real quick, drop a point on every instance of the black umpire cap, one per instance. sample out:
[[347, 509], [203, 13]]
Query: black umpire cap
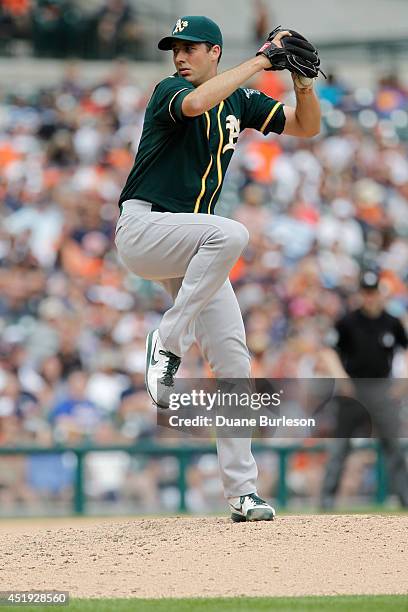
[[369, 280]]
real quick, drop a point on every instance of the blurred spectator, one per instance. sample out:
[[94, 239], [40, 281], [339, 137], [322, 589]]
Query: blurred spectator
[[14, 488], [14, 22], [332, 90], [118, 31], [75, 416], [204, 485], [49, 476], [106, 383], [390, 96], [15, 401], [261, 22]]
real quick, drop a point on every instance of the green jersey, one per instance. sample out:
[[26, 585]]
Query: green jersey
[[181, 161]]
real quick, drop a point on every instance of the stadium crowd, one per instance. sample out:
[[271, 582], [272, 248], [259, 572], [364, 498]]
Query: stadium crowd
[[73, 321], [100, 29]]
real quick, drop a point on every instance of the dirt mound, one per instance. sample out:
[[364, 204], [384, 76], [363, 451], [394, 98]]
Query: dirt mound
[[187, 557]]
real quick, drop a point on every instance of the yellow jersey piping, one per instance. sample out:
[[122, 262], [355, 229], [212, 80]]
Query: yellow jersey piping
[[219, 167], [204, 178], [269, 117]]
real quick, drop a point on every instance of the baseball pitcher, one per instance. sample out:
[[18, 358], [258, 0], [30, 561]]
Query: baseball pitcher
[[168, 230]]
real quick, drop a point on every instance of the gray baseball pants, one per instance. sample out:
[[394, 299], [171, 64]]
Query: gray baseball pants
[[191, 255]]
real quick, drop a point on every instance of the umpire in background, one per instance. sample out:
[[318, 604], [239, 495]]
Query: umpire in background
[[367, 340]]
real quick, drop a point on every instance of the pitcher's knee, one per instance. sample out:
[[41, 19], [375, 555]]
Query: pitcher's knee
[[232, 238], [238, 237]]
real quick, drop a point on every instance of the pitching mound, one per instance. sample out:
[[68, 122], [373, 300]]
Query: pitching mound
[[188, 557]]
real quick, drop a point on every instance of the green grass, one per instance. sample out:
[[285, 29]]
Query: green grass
[[360, 603]]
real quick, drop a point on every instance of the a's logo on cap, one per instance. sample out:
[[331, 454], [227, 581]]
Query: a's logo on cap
[[180, 25]]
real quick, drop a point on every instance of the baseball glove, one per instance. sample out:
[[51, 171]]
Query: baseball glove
[[297, 54]]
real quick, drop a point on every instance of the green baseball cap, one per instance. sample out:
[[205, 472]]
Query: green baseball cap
[[195, 28]]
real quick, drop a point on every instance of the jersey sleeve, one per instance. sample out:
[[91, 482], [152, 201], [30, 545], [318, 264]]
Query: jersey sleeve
[[167, 100], [261, 112]]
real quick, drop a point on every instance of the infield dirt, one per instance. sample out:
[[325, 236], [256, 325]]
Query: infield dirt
[[190, 557]]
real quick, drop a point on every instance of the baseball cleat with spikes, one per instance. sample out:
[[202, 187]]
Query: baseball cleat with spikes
[[250, 508], [161, 368]]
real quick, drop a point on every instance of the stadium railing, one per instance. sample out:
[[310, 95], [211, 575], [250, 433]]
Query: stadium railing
[[183, 454]]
